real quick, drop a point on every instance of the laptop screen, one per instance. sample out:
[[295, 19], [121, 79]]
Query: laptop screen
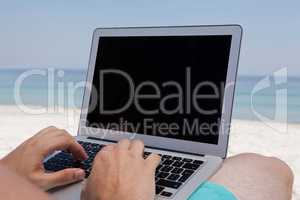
[[166, 86]]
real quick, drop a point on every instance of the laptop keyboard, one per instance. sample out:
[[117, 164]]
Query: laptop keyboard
[[172, 172]]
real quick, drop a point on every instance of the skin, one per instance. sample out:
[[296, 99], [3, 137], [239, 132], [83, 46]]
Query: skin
[[14, 187], [252, 176], [27, 159], [117, 168], [120, 172]]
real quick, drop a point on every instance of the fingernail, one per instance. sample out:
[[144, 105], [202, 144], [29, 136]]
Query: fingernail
[[79, 174]]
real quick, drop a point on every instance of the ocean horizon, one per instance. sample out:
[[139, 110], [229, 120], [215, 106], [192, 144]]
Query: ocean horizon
[[34, 91]]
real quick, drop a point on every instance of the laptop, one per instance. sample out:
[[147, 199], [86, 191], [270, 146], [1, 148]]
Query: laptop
[[172, 88]]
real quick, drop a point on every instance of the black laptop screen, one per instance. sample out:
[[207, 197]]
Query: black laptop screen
[[168, 86]]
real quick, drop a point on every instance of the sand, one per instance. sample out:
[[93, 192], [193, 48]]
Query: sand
[[246, 136]]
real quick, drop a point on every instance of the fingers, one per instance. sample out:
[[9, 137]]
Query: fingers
[[63, 177], [77, 150], [61, 140], [153, 161], [137, 147], [108, 147], [105, 150], [104, 154], [124, 144]]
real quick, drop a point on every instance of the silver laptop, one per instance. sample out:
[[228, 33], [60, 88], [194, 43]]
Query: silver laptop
[[172, 88]]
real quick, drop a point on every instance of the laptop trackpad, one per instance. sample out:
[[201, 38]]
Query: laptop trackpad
[[68, 192]]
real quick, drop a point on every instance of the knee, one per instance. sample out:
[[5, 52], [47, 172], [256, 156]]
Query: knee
[[282, 168], [272, 164]]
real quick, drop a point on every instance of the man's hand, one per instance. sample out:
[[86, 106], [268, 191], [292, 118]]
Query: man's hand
[[14, 187], [27, 159], [121, 172]]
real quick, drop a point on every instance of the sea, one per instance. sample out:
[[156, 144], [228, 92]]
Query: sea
[[256, 97]]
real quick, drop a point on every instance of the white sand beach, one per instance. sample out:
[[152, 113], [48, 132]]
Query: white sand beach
[[246, 136]]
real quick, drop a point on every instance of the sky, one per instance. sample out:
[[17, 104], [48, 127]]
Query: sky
[[56, 33]]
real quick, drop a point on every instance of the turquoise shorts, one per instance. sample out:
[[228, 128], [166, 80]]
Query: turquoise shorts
[[211, 191]]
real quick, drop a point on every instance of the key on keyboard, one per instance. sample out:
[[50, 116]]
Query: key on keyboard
[[64, 160], [172, 172]]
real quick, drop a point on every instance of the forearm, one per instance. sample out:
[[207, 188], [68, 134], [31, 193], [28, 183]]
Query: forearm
[[14, 187]]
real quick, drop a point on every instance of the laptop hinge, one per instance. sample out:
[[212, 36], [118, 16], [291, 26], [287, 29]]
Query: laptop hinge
[[156, 148]]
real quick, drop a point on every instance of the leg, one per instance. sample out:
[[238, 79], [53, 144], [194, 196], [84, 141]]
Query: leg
[[252, 176]]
